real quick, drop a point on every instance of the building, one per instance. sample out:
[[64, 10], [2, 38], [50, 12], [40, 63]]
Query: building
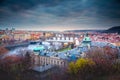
[[61, 39], [86, 41], [46, 60], [43, 57], [21, 35]]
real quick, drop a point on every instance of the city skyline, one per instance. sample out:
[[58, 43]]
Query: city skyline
[[59, 15]]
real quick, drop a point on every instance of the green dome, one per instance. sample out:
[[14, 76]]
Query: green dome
[[38, 48], [87, 39]]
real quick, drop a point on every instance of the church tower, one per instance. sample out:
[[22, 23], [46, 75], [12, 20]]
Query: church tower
[[86, 41]]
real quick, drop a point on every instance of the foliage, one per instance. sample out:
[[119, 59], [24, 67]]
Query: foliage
[[116, 66], [103, 53], [83, 67], [105, 60], [98, 62], [15, 64]]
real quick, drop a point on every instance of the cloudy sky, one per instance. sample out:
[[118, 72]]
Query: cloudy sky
[[59, 14]]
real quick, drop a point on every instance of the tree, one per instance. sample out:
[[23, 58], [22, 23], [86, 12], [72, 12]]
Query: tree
[[82, 68]]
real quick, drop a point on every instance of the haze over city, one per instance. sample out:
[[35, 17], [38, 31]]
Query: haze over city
[[60, 39], [59, 15]]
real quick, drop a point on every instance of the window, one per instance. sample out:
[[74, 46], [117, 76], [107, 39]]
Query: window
[[58, 62]]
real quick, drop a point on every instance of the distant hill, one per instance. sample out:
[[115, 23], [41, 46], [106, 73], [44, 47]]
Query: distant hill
[[115, 29], [84, 31]]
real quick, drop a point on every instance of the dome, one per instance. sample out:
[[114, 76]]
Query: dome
[[38, 48], [87, 39]]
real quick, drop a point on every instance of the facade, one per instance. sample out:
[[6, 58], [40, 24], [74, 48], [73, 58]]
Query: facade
[[61, 39], [38, 60], [41, 58], [21, 36]]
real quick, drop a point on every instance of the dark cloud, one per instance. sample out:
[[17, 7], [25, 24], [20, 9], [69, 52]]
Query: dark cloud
[[109, 8], [10, 8], [49, 12], [17, 5], [106, 8]]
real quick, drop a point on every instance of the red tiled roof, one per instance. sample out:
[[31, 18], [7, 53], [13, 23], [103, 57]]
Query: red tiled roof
[[3, 50]]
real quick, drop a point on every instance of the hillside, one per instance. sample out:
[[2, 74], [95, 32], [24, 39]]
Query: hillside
[[84, 31], [115, 29]]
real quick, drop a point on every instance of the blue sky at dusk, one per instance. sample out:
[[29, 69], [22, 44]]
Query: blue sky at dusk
[[59, 14]]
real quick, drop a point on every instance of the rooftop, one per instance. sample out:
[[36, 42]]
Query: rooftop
[[71, 54]]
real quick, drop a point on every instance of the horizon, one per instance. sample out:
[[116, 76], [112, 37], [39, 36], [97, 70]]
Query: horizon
[[51, 29]]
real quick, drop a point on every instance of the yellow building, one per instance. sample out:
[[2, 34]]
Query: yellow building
[[21, 36]]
